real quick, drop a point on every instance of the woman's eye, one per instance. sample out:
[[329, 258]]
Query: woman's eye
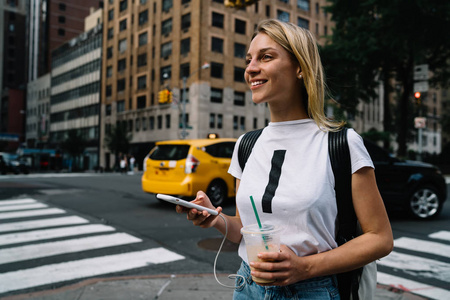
[[266, 57]]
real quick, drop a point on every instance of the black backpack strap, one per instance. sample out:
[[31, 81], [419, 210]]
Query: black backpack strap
[[339, 153], [246, 146]]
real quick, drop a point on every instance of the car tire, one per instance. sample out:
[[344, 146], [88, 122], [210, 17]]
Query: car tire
[[424, 203], [217, 192]]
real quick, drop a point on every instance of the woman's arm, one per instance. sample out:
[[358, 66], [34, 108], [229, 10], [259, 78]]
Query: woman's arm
[[375, 242], [205, 220]]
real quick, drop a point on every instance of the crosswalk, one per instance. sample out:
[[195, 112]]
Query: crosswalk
[[37, 242], [415, 262], [33, 234]]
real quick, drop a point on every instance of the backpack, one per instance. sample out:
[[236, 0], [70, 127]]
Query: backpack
[[359, 283]]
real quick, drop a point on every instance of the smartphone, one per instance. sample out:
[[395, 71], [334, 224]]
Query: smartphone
[[178, 201]]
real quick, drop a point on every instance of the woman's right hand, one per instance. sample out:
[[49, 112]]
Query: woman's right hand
[[200, 218]]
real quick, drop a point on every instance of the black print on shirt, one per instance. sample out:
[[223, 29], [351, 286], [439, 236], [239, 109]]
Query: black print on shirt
[[274, 179]]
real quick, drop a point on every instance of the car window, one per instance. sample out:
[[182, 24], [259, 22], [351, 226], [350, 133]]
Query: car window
[[376, 153], [224, 149], [170, 152]]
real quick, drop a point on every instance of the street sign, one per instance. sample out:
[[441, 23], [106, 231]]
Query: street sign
[[421, 72], [421, 86], [420, 122]]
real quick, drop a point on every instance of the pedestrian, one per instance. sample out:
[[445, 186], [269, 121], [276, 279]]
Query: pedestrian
[[285, 72], [123, 164], [132, 161]]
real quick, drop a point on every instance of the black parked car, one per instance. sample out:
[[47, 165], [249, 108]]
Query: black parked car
[[12, 163], [417, 187]]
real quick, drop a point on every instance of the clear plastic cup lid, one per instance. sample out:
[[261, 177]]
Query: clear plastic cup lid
[[265, 228]]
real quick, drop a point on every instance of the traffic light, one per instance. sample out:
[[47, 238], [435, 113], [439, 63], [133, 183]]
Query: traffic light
[[165, 96], [417, 96], [238, 3]]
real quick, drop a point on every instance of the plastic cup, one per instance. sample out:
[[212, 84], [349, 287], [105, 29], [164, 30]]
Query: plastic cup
[[257, 240]]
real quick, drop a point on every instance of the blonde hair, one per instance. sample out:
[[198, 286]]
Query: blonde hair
[[303, 46]]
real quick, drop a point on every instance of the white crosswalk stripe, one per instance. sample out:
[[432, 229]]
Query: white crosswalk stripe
[[28, 235], [419, 267]]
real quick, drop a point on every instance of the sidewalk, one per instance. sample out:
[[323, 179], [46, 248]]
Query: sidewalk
[[170, 287]]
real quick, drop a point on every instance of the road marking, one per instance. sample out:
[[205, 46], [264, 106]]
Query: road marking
[[423, 246], [46, 234], [17, 201], [26, 225], [413, 286], [417, 266], [49, 274], [22, 207], [442, 235], [32, 213], [22, 253]]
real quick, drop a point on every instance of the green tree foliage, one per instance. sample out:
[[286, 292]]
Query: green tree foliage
[[118, 139], [381, 40]]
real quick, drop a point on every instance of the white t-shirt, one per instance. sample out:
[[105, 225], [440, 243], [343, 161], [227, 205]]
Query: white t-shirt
[[300, 197]]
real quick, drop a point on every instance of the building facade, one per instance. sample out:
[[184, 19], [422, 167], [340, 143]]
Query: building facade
[[75, 94], [153, 45]]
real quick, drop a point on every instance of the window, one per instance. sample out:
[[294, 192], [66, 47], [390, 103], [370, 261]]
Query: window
[[120, 106], [212, 121], [239, 98], [108, 90], [167, 5], [121, 65], [159, 121], [142, 82], [185, 1], [62, 19], [166, 49], [121, 85], [62, 6], [138, 124], [235, 122], [239, 26], [123, 5], [239, 74], [122, 45], [109, 52], [166, 27], [268, 11], [143, 17], [61, 32], [185, 70], [108, 109], [110, 33], [151, 123], [130, 125], [143, 39], [123, 25], [216, 95], [143, 2], [317, 8], [303, 4], [216, 70], [216, 45], [282, 16], [303, 23], [325, 30], [217, 20], [185, 21], [142, 60], [219, 121], [110, 14], [166, 73], [317, 28], [109, 71], [242, 127], [185, 46], [167, 121], [239, 50], [144, 122], [141, 103]]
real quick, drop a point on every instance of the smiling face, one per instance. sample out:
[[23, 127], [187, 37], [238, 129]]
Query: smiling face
[[272, 73]]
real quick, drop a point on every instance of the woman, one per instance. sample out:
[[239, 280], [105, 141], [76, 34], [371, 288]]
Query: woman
[[284, 71]]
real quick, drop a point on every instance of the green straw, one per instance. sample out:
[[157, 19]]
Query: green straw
[[258, 220]]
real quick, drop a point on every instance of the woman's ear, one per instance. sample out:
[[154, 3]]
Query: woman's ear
[[299, 74]]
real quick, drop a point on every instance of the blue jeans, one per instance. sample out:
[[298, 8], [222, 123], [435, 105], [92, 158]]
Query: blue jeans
[[319, 288]]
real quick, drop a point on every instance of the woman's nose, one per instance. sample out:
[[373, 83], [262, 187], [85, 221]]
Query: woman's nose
[[252, 67]]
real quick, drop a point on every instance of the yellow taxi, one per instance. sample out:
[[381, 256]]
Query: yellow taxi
[[183, 167]]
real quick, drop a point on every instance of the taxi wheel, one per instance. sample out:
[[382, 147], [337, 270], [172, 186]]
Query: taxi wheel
[[217, 192]]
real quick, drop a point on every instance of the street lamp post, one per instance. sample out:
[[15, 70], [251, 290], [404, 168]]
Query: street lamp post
[[183, 114]]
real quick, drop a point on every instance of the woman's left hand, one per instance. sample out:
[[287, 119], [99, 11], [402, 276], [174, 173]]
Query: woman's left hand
[[285, 267]]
